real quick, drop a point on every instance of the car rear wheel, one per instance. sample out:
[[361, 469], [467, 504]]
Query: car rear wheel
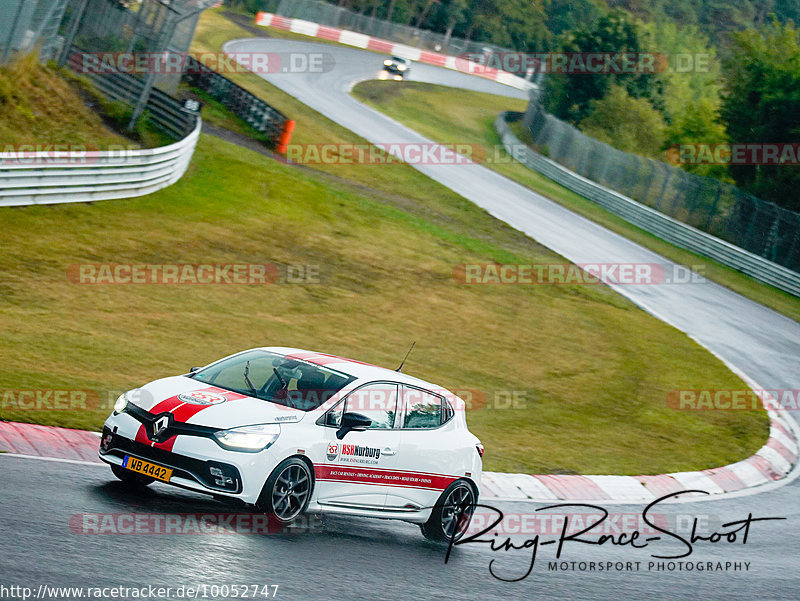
[[287, 491], [452, 513], [131, 478]]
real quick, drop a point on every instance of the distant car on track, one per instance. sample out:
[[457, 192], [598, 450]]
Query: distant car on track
[[290, 431], [397, 65]]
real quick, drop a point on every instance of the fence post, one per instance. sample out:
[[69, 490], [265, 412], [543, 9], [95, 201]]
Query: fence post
[[144, 96], [650, 177], [713, 210], [773, 238], [74, 26], [664, 186]]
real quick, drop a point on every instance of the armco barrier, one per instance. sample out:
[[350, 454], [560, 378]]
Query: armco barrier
[[52, 177], [260, 115], [165, 111], [650, 220]]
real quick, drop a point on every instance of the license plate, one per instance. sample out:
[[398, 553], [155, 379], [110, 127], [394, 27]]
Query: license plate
[[147, 468]]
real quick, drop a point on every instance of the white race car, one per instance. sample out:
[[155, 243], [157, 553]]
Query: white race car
[[289, 431]]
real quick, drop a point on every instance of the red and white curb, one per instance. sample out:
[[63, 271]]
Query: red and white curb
[[772, 463], [360, 40], [48, 441]]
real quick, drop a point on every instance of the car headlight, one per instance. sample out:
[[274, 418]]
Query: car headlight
[[250, 439], [402, 67], [120, 404], [387, 62]]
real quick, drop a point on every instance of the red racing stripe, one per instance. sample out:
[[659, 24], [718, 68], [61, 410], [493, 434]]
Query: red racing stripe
[[357, 475], [181, 412], [324, 359], [166, 405], [141, 436]]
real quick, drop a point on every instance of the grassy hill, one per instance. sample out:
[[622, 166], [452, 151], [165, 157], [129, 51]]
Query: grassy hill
[[38, 106], [593, 370]]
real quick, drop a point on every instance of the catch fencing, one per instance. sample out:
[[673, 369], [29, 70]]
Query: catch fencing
[[657, 223], [720, 209], [28, 24], [163, 110]]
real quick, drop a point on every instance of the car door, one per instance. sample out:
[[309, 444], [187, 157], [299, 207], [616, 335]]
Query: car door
[[428, 449], [357, 468]]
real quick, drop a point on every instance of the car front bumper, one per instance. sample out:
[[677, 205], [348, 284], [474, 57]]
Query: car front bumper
[[191, 458]]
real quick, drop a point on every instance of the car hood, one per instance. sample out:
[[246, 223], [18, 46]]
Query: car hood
[[198, 403]]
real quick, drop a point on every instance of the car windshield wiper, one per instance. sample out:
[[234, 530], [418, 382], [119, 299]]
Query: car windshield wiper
[[253, 390]]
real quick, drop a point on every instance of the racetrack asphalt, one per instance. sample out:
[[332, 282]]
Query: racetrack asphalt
[[343, 558]]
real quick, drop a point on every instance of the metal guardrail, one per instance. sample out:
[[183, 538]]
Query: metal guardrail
[[650, 220], [165, 111], [58, 177], [706, 203], [239, 101], [53, 177]]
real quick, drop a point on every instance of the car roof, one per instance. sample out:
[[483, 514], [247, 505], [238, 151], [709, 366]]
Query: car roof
[[351, 367]]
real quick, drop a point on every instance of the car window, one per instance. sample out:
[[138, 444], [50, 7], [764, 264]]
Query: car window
[[377, 401], [423, 409], [276, 378]]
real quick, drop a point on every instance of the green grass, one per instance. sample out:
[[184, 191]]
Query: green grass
[[594, 369], [38, 106], [216, 113], [460, 116]]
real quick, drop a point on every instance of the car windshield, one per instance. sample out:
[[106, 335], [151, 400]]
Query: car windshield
[[275, 378], [397, 59]]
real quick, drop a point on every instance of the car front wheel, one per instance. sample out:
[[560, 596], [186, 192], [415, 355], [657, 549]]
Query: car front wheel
[[452, 513], [287, 491]]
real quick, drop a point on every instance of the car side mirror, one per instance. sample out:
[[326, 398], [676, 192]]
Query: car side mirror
[[352, 421], [194, 369]]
